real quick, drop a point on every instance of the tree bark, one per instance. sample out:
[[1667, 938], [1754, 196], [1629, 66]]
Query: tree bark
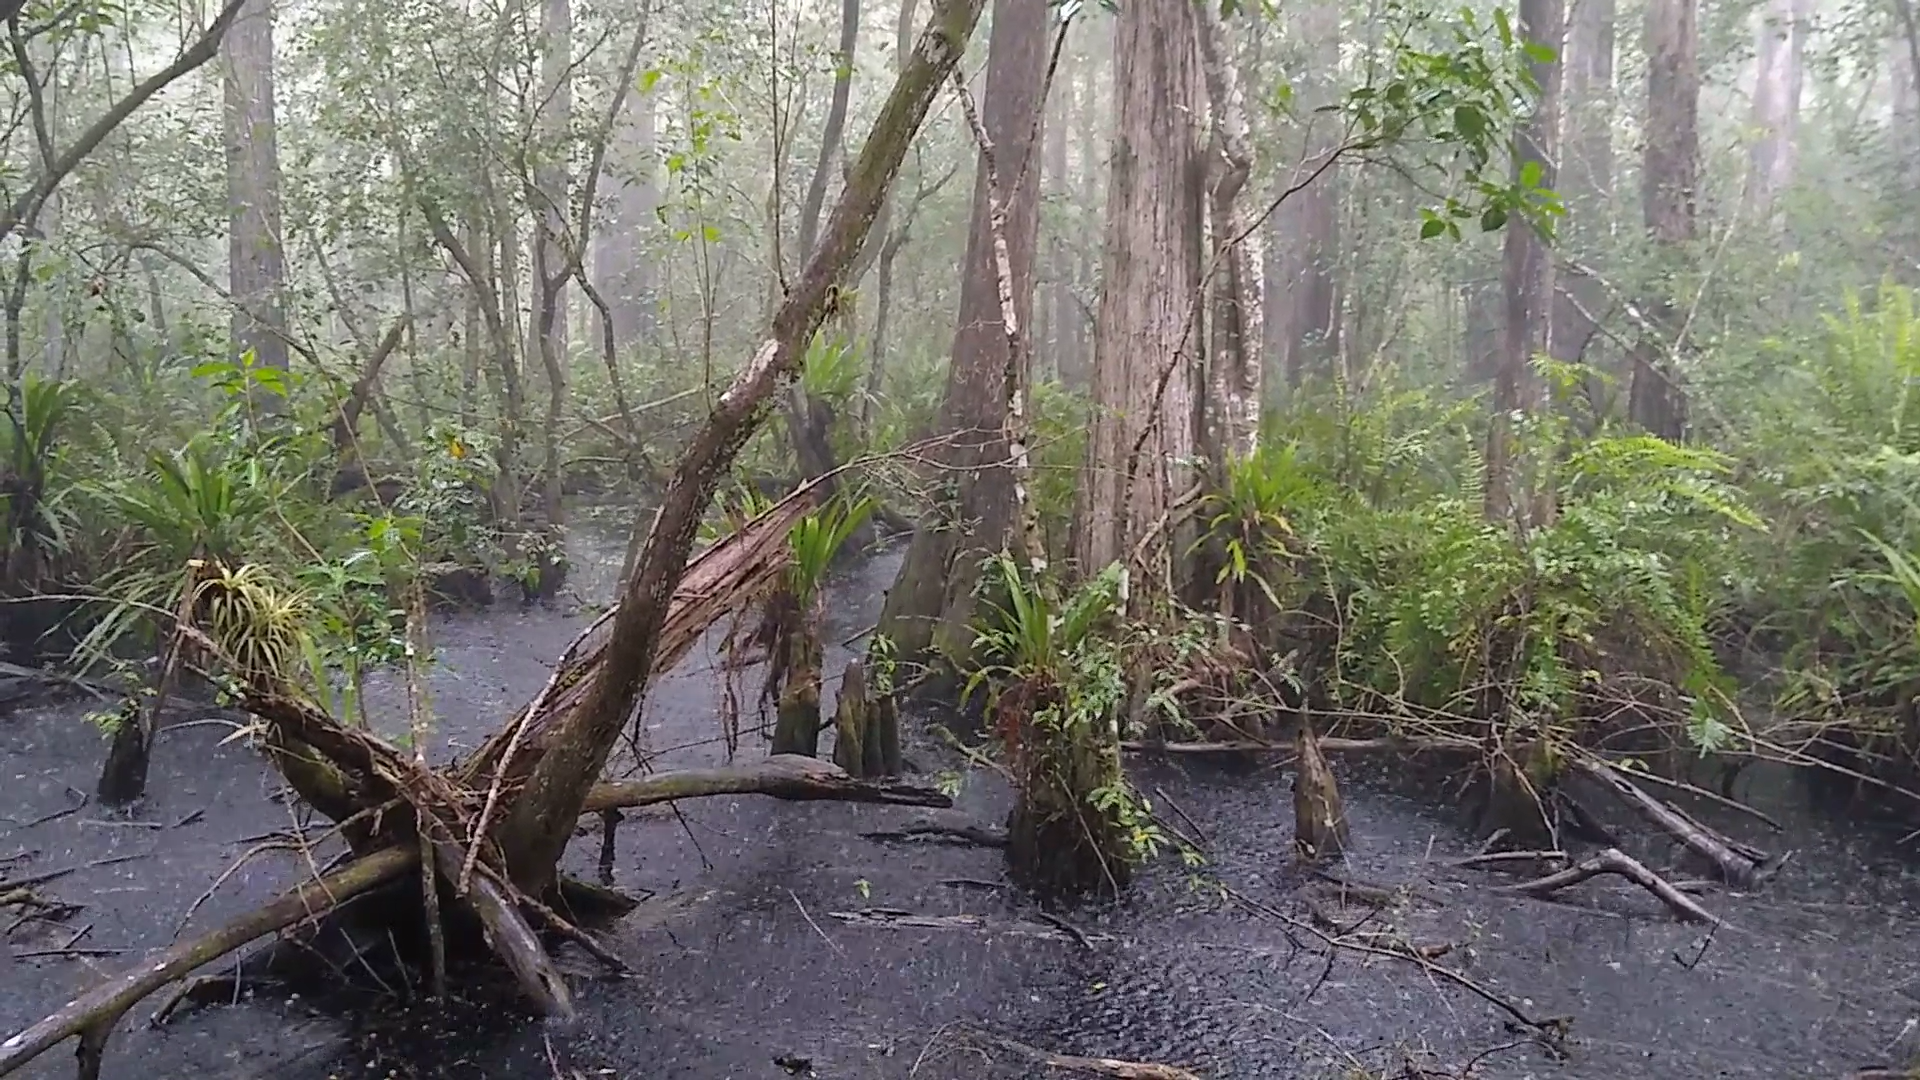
[[1232, 403], [931, 605], [1526, 273], [1668, 179], [1312, 331], [1144, 350], [535, 832], [1586, 182], [256, 255], [552, 263], [1781, 50]]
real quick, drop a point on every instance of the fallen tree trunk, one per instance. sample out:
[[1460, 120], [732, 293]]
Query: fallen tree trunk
[[781, 778], [94, 1013], [793, 777]]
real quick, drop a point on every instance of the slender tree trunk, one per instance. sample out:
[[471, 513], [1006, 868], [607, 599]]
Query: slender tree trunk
[[1145, 339], [1586, 181], [1312, 340], [551, 260], [1657, 401], [931, 605], [1526, 273], [1231, 409], [1781, 49], [256, 257]]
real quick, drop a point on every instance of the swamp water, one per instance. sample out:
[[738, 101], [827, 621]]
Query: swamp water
[[768, 936]]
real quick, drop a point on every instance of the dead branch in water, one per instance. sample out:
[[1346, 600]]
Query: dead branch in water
[[1739, 865], [93, 1014], [979, 835], [1327, 744], [1615, 861], [1097, 1066]]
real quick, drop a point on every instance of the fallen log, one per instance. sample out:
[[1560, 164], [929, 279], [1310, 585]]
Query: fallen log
[[1327, 745], [792, 777], [1739, 865], [1615, 861], [93, 1014]]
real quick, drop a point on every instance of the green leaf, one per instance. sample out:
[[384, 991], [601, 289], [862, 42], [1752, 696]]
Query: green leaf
[[1493, 218], [1469, 122], [1530, 174], [649, 78], [1541, 54], [1432, 227]]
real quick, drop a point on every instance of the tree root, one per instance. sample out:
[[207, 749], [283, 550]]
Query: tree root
[[1739, 865], [93, 1014], [1615, 861]]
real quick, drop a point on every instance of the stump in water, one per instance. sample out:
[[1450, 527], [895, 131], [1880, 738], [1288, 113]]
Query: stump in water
[[1062, 839], [1319, 818], [866, 727], [794, 669], [1518, 781]]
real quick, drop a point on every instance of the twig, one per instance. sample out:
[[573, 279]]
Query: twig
[[1702, 793], [816, 926], [1552, 1030], [933, 830], [1099, 1066], [1184, 816]]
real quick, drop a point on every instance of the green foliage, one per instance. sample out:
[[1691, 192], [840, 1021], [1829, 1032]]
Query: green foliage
[[816, 539]]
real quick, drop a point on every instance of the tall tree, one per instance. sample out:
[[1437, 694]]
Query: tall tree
[[1586, 180], [1311, 218], [1527, 276], [1781, 72], [809, 420], [1145, 338], [931, 606], [1230, 407], [552, 264], [1668, 179], [256, 255]]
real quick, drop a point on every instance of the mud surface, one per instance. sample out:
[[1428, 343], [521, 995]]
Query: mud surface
[[762, 938]]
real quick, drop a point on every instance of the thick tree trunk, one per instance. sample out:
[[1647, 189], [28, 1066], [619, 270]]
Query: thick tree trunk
[[1527, 274], [536, 829], [1657, 401], [930, 608], [256, 256], [1145, 339]]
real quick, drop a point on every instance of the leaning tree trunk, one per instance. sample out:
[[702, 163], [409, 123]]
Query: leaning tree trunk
[[574, 750], [930, 609]]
